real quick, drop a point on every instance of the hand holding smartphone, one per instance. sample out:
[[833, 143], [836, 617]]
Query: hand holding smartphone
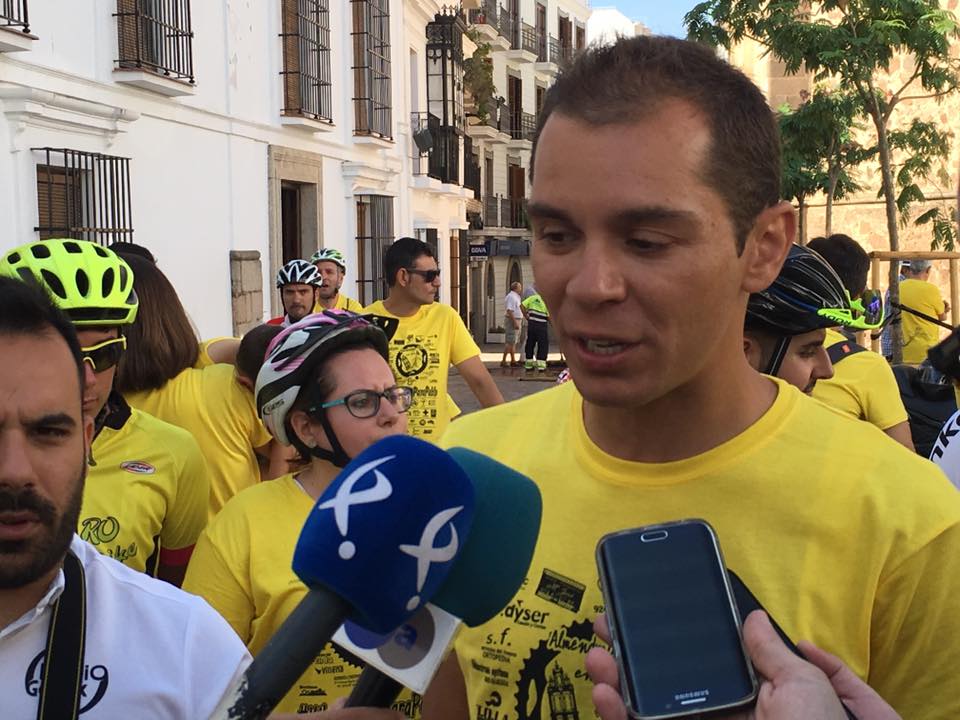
[[674, 624]]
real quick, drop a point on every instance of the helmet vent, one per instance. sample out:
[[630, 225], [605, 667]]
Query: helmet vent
[[40, 252], [13, 258], [107, 283], [101, 251], [72, 247], [53, 282], [83, 283]]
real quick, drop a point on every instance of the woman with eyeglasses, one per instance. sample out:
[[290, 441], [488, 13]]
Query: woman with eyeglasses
[[326, 389]]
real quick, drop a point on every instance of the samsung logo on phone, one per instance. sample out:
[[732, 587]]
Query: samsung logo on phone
[[692, 695]]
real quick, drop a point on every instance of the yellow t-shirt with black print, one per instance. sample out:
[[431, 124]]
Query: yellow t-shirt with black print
[[148, 485], [343, 303], [919, 335], [847, 539], [421, 351], [863, 387], [242, 567], [220, 414]]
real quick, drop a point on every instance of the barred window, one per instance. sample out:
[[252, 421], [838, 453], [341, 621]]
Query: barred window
[[156, 35], [83, 195], [371, 68], [374, 234], [307, 83]]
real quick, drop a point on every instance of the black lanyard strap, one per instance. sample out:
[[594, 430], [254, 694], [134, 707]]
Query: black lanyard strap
[[63, 664]]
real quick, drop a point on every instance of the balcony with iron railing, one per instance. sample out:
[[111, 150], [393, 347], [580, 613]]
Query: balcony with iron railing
[[14, 16], [509, 26], [471, 175], [522, 126], [486, 14], [513, 212], [528, 38], [435, 148]]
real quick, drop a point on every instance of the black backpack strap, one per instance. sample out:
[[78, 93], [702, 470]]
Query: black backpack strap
[[63, 665], [845, 348]]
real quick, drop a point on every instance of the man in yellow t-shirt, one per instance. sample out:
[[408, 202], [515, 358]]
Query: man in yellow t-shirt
[[430, 337], [918, 293], [145, 499], [332, 267], [863, 385], [651, 227]]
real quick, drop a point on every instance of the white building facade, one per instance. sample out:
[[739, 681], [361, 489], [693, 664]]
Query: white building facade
[[214, 131], [529, 41]]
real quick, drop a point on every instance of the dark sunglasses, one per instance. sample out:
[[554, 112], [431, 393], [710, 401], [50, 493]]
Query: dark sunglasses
[[105, 355], [428, 275], [364, 404]]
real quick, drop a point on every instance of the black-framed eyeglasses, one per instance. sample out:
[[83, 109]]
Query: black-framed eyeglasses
[[105, 355], [364, 404], [428, 275]]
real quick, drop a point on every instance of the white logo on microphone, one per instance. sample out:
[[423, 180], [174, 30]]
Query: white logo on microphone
[[346, 498], [426, 554]]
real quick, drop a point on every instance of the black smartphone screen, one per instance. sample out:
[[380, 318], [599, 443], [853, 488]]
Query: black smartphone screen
[[673, 620]]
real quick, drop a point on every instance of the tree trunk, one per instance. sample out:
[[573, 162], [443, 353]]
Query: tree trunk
[[802, 220], [832, 188], [893, 229]]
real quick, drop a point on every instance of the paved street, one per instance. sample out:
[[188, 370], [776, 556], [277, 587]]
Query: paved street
[[513, 382]]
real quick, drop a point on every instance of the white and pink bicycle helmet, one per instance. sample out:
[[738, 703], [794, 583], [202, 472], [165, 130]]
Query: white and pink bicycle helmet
[[292, 357]]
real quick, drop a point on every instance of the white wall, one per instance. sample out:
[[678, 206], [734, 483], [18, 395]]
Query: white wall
[[199, 163]]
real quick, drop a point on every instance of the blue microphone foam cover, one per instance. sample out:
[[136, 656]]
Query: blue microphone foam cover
[[386, 532], [494, 561]]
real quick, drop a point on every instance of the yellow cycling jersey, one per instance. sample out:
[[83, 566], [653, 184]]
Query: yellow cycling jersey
[[147, 486]]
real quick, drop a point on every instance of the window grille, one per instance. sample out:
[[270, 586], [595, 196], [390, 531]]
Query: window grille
[[371, 70], [13, 15], [374, 234], [155, 35], [307, 83], [83, 195]]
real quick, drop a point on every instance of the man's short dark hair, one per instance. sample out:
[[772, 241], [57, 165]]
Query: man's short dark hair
[[844, 255], [403, 253], [26, 309], [253, 350], [630, 79]]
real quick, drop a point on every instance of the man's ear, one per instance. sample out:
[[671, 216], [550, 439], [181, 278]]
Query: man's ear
[[753, 351], [767, 246], [87, 432]]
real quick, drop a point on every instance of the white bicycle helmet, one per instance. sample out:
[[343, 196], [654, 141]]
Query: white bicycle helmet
[[291, 359], [299, 272]]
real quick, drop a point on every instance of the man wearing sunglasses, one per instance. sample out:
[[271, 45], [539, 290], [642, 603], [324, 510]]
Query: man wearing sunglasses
[[863, 385], [145, 501], [430, 337]]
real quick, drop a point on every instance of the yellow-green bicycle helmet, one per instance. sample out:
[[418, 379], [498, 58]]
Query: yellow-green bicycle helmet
[[91, 284]]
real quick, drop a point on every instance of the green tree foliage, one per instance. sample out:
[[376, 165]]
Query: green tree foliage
[[819, 150], [478, 77], [852, 42]]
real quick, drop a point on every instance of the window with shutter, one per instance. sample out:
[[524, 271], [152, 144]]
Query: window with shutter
[[83, 195], [374, 234], [307, 84], [371, 68], [155, 35]]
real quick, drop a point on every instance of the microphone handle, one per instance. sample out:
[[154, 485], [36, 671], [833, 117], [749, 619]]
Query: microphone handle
[[374, 689], [284, 659]]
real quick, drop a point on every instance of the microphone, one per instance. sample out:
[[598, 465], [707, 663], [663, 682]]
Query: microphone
[[376, 547], [488, 572]]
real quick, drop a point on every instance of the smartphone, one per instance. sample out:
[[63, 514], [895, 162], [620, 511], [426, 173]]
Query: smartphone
[[674, 624]]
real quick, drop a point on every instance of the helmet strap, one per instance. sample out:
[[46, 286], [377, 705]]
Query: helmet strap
[[338, 456], [777, 356]]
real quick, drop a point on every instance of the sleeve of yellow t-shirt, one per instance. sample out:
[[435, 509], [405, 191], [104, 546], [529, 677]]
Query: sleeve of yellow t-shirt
[[935, 299], [187, 513], [216, 573], [203, 358], [913, 653], [462, 346], [884, 406]]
